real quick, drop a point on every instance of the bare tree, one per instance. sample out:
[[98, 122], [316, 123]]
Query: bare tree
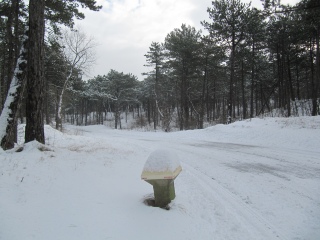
[[78, 51]]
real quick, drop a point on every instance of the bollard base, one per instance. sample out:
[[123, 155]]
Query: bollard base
[[163, 191], [151, 203]]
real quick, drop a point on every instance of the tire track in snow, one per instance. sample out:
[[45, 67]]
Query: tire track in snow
[[233, 206], [240, 211]]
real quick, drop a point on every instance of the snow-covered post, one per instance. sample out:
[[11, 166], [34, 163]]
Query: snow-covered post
[[160, 170]]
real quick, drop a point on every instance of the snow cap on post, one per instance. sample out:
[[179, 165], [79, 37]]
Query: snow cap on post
[[161, 164]]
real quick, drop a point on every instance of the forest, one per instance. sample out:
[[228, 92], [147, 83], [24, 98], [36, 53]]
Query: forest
[[246, 62]]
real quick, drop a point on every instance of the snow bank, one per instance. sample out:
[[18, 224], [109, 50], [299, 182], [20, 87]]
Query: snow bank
[[295, 132]]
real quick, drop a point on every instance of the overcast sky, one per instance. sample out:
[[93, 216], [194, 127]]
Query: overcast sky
[[125, 29]]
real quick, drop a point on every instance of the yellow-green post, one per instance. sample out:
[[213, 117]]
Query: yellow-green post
[[163, 191]]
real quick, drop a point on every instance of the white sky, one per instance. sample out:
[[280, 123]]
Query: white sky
[[124, 29]]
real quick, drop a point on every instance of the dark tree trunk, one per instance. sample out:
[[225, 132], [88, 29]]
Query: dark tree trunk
[[149, 111], [2, 77], [208, 107], [186, 102], [244, 105], [290, 87], [86, 112], [116, 115], [313, 85], [156, 97], [317, 76], [252, 80], [10, 39], [203, 95], [232, 61], [16, 4], [298, 81], [10, 112], [154, 114], [47, 103], [35, 78]]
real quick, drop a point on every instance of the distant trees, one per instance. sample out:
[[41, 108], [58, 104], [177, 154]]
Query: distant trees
[[121, 89], [115, 92], [310, 16], [249, 63]]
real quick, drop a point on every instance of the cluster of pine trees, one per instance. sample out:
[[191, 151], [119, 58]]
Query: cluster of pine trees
[[246, 62], [250, 62]]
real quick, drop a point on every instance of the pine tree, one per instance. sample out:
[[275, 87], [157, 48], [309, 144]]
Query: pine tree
[[183, 48], [227, 29], [155, 58]]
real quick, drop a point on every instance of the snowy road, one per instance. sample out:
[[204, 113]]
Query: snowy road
[[247, 181], [254, 186], [245, 188]]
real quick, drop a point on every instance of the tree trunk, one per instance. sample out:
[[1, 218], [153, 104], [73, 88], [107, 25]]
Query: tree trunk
[[116, 117], [298, 81], [290, 87], [317, 76], [156, 92], [202, 99], [232, 61], [2, 77], [86, 112], [185, 102], [35, 78], [149, 111], [10, 64], [208, 107], [9, 113], [16, 4], [46, 110], [244, 106], [313, 85], [252, 81], [155, 114]]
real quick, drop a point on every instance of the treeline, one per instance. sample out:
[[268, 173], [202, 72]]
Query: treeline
[[245, 62], [250, 62]]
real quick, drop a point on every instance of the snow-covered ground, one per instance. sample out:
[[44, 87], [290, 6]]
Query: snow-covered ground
[[255, 179]]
